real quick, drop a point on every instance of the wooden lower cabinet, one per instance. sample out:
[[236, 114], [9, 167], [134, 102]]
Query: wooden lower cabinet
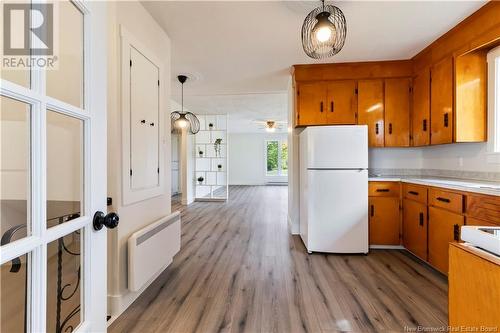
[[474, 289], [444, 227], [384, 220], [415, 228]]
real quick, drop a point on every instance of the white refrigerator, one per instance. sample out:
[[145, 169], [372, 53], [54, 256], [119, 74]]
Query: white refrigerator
[[334, 189]]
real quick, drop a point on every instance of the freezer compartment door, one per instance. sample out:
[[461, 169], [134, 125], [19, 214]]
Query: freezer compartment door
[[338, 211], [335, 147]]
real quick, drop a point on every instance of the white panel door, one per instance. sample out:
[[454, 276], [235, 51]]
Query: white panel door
[[336, 147], [53, 262], [144, 115], [337, 211]]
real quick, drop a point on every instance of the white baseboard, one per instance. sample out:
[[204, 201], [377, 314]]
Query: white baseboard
[[387, 247], [117, 304]]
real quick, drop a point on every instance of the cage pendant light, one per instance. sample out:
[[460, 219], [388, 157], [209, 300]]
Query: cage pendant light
[[324, 32], [184, 119]]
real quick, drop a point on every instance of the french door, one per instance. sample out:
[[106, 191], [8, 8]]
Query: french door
[[53, 179]]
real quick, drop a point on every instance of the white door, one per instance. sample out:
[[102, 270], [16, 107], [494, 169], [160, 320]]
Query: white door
[[337, 211], [53, 177]]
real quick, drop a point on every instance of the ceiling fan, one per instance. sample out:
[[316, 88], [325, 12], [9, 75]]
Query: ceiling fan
[[270, 125]]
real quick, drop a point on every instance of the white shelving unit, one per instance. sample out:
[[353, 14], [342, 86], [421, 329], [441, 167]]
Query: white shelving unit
[[211, 165]]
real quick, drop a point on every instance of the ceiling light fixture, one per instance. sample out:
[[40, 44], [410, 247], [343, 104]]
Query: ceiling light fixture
[[270, 126], [184, 119], [324, 32]]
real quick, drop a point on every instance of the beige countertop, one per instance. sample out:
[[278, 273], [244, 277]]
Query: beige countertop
[[475, 186]]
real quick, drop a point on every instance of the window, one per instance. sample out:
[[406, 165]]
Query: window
[[276, 158], [494, 100]]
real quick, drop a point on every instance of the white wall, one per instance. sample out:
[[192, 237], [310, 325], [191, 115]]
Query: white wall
[[456, 157], [461, 157], [247, 157], [138, 22], [395, 158], [186, 161]]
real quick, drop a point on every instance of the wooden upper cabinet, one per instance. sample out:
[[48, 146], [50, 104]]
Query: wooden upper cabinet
[[397, 112], [311, 103], [421, 115], [371, 110], [442, 102], [470, 97], [341, 103]]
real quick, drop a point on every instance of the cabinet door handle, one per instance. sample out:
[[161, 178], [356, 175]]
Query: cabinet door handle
[[321, 107], [421, 219], [443, 199], [151, 124], [424, 125], [456, 232], [376, 128], [382, 190], [446, 119], [143, 121], [332, 106], [413, 192], [390, 128], [372, 210]]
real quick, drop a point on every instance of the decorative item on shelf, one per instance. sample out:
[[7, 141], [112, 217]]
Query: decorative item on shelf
[[219, 167], [217, 144], [200, 153], [324, 31], [200, 180], [184, 119], [210, 126]]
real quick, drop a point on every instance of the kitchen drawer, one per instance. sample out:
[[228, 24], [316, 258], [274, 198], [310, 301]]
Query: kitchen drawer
[[383, 189], [448, 200], [484, 207], [480, 223], [415, 192]]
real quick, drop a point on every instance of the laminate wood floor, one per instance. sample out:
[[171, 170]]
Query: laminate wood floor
[[240, 270]]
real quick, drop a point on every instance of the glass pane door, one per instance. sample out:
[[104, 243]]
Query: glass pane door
[[52, 173]]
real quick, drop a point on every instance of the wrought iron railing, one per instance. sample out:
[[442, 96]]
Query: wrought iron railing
[[62, 324]]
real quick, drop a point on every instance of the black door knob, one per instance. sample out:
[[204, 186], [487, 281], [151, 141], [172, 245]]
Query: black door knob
[[109, 220]]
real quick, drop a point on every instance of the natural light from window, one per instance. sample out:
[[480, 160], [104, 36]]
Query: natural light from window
[[494, 100], [276, 158]]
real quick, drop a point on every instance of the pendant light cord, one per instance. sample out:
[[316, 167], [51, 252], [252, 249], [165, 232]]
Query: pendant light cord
[[323, 1], [182, 97]]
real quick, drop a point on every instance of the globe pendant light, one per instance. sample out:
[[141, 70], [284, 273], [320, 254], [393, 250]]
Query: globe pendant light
[[183, 119], [324, 31]]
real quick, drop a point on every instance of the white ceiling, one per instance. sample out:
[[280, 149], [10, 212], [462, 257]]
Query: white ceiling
[[240, 53]]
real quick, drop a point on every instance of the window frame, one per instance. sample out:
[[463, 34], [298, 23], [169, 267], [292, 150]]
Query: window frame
[[493, 65], [280, 166]]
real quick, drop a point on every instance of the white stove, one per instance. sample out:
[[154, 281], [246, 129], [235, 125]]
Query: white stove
[[486, 238]]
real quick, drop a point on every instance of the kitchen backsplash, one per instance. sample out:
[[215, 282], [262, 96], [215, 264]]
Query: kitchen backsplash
[[474, 175]]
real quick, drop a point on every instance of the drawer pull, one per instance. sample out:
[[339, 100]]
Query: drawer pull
[[332, 106], [376, 128], [424, 125], [321, 107], [372, 210], [390, 128], [413, 192], [456, 232], [383, 190], [421, 219], [446, 119], [443, 199]]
